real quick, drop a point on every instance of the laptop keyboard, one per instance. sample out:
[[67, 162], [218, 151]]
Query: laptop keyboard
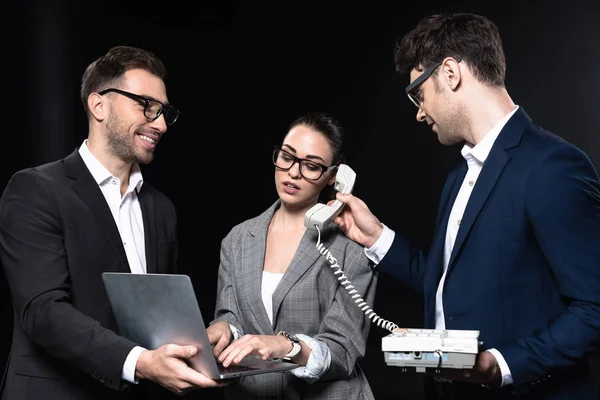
[[234, 368]]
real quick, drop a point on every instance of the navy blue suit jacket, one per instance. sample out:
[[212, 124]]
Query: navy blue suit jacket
[[525, 267]]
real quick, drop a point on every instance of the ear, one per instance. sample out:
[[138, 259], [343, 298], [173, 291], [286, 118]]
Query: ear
[[331, 180], [98, 106], [451, 73]]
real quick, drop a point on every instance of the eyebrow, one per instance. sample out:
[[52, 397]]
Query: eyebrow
[[309, 156]]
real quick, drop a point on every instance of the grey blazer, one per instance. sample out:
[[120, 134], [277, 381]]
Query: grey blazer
[[309, 300]]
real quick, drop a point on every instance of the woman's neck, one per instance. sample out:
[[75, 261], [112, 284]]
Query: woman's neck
[[288, 219]]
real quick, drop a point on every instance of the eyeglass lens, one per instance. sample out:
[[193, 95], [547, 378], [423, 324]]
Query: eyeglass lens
[[154, 109]]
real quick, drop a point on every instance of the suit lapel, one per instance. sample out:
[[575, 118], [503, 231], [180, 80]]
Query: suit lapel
[[304, 258], [451, 188], [87, 189], [253, 260], [450, 191], [492, 168], [486, 181], [150, 235]]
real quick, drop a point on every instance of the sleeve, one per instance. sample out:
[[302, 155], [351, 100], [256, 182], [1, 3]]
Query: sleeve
[[36, 266], [563, 206], [318, 362], [404, 262], [226, 307], [379, 249], [345, 327], [128, 372], [504, 369]]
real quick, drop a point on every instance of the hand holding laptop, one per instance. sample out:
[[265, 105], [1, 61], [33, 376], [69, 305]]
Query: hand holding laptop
[[168, 366]]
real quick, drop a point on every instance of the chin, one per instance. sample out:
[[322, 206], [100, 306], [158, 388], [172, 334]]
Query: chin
[[144, 157], [448, 141], [144, 160]]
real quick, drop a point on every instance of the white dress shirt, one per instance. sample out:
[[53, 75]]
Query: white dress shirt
[[475, 157], [127, 214]]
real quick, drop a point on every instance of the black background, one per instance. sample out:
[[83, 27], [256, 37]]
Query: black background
[[241, 72]]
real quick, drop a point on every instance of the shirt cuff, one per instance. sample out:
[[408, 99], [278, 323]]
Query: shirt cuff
[[128, 372], [235, 332], [379, 249], [507, 378], [318, 362]]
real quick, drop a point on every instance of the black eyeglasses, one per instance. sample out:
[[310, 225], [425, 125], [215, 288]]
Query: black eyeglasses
[[308, 168], [416, 100], [152, 108]]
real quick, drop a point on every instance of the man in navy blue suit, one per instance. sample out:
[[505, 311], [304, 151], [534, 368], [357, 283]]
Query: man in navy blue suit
[[516, 252]]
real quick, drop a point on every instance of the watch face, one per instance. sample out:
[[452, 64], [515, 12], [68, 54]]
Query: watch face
[[292, 338]]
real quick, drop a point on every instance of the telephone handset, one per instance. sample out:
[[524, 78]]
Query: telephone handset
[[318, 217], [321, 214]]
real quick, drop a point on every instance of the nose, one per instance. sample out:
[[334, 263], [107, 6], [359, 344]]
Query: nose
[[421, 115], [294, 170], [159, 124]]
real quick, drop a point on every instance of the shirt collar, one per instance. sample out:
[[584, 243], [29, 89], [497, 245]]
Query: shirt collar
[[102, 175], [481, 151]]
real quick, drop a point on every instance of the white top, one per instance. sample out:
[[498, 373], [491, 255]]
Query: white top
[[270, 280]]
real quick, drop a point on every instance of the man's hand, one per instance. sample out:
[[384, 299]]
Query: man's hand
[[168, 366], [219, 335], [356, 220], [486, 371]]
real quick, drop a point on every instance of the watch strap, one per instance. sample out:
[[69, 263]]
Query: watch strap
[[296, 347]]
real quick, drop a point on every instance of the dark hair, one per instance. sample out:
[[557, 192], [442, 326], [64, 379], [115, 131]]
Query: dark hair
[[108, 69], [333, 132], [472, 38], [329, 127]]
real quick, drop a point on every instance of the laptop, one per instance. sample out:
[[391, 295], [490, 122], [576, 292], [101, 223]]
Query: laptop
[[156, 309]]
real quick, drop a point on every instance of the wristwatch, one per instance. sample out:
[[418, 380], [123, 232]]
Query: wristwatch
[[295, 344]]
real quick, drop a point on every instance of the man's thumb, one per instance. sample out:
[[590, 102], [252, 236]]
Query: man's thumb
[[343, 197], [190, 351]]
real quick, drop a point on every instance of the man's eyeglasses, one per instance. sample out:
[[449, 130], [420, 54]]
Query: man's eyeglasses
[[152, 108], [415, 99], [308, 168]]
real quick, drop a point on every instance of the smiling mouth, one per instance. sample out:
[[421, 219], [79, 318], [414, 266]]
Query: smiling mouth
[[148, 139]]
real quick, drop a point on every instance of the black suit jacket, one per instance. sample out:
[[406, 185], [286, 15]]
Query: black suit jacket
[[57, 235]]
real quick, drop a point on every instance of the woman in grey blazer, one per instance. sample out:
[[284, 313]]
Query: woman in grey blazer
[[279, 297]]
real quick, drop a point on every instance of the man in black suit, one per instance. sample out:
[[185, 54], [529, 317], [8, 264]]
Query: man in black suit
[[64, 223]]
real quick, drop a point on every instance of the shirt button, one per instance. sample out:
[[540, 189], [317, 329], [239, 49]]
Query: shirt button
[[471, 183], [458, 223]]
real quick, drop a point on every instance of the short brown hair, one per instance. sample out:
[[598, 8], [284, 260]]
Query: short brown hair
[[470, 37], [108, 69]]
